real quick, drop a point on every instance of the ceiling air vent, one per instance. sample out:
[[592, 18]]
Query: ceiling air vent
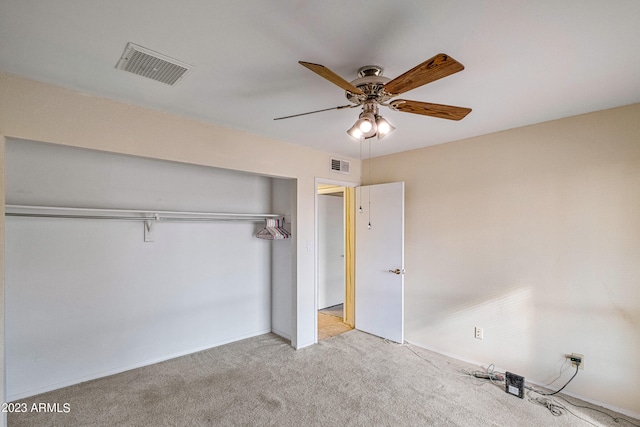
[[341, 166], [147, 63]]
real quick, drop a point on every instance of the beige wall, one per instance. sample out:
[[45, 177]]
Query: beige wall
[[534, 235], [35, 111]]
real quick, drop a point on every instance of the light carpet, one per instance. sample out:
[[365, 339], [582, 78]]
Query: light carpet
[[353, 379]]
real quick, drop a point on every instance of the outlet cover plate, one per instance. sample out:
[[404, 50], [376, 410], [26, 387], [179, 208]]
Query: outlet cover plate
[[581, 356], [478, 333]]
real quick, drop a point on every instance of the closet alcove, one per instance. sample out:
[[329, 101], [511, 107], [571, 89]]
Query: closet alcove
[[89, 297]]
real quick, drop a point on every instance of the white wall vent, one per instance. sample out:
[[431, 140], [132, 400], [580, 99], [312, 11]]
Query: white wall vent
[[341, 166], [147, 63]]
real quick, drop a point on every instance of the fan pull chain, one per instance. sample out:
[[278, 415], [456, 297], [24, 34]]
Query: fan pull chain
[[360, 195], [369, 182]]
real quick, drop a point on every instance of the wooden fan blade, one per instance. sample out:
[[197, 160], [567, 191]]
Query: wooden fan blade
[[441, 65], [340, 107], [427, 109], [326, 73]]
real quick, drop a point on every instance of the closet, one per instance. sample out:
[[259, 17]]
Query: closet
[[134, 261]]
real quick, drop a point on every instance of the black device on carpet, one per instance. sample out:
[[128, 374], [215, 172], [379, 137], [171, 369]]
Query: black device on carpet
[[514, 384]]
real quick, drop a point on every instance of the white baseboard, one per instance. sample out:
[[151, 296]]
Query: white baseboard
[[118, 370]]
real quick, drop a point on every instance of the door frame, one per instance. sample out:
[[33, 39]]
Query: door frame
[[315, 249]]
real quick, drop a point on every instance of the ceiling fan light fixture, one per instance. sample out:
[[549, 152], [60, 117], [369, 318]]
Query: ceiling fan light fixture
[[367, 124], [370, 124], [355, 132], [384, 127]]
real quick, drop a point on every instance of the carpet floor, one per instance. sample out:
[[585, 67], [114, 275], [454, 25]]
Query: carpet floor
[[353, 379]]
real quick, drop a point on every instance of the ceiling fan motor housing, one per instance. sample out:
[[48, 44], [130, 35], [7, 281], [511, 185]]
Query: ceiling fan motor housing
[[371, 81], [370, 70]]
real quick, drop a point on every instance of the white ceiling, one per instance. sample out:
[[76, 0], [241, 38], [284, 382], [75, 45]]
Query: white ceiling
[[526, 61]]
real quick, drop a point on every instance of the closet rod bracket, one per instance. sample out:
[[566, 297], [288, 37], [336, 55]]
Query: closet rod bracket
[[149, 230]]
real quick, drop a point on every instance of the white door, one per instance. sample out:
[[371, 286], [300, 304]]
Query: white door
[[380, 260]]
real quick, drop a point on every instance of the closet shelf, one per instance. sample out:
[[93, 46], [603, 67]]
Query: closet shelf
[[131, 214]]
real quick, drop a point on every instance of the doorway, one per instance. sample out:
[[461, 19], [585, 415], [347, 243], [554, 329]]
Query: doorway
[[380, 233], [333, 301]]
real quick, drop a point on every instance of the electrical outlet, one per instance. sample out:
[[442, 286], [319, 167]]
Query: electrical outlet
[[478, 333], [574, 357]]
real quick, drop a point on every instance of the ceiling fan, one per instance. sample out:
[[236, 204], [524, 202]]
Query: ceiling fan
[[371, 89]]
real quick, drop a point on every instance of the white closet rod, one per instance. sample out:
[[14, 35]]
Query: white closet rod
[[129, 214]]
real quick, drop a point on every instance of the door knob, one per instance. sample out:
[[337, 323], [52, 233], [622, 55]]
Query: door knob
[[396, 271]]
